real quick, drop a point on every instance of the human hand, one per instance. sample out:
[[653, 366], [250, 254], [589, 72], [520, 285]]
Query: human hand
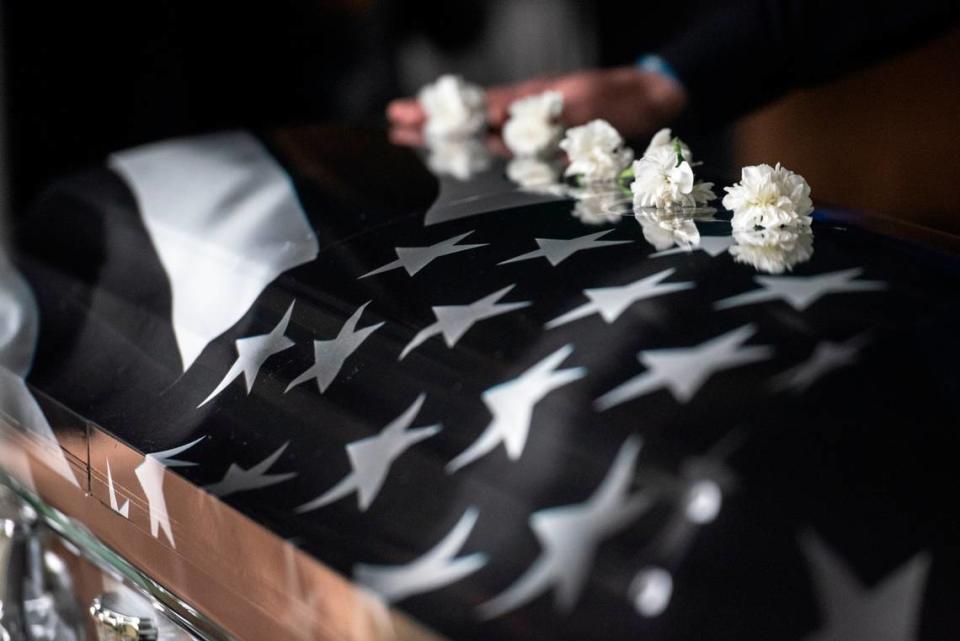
[[633, 100]]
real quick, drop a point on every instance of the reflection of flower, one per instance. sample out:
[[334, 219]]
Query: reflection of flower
[[599, 204], [596, 151], [454, 108], [773, 251], [532, 128], [664, 228], [768, 197], [532, 173], [664, 179], [460, 158]]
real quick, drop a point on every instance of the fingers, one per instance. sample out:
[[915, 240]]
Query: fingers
[[579, 98], [406, 136], [406, 112], [498, 105], [622, 95], [635, 102], [497, 147]]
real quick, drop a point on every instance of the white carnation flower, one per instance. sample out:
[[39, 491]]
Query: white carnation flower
[[768, 197], [543, 106], [454, 108], [773, 251], [664, 138], [665, 229], [660, 182], [532, 173], [460, 158], [596, 151], [530, 136]]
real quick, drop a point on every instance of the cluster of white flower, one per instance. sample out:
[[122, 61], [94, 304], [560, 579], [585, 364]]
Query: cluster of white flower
[[533, 128], [665, 138], [766, 197], [596, 152], [664, 179], [454, 108]]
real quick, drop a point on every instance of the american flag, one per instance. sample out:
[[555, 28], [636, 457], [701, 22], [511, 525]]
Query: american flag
[[511, 420]]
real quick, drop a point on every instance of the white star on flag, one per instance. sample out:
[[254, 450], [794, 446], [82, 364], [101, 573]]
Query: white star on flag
[[413, 259], [570, 536], [611, 302], [453, 321], [684, 370], [372, 457], [252, 352], [122, 510], [436, 569], [712, 245], [802, 291], [557, 250], [827, 356], [238, 479], [511, 404], [889, 611], [329, 356], [150, 474]]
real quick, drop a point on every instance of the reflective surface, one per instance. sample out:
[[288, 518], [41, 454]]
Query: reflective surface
[[37, 597], [512, 412]]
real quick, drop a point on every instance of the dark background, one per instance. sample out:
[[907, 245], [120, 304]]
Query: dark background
[[85, 79]]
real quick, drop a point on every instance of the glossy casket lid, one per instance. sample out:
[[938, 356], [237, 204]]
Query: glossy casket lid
[[513, 413]]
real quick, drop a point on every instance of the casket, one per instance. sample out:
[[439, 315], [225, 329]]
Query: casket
[[308, 384]]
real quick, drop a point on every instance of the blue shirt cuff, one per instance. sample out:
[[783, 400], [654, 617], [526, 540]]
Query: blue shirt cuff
[[655, 64]]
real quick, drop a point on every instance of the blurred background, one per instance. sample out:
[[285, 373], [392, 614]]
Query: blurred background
[[84, 79]]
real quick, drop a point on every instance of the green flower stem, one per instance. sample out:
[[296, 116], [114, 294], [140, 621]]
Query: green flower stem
[[678, 149]]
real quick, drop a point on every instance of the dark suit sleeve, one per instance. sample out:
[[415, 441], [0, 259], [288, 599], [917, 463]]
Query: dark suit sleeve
[[748, 52]]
